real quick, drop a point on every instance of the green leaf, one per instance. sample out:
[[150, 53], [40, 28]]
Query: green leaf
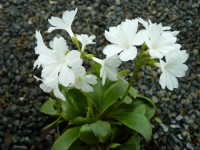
[[132, 144], [137, 122], [86, 135], [158, 120], [127, 100], [95, 68], [66, 139], [82, 121], [150, 106], [68, 112], [102, 130], [96, 94], [140, 109], [112, 94], [115, 133], [123, 72], [133, 92], [49, 107], [79, 100], [114, 145], [79, 148]]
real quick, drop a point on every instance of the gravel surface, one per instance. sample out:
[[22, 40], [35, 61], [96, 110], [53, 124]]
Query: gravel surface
[[20, 97]]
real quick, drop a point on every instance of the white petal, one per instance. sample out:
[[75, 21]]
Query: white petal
[[59, 45], [45, 88], [114, 35], [129, 27], [50, 72], [66, 76], [111, 73], [163, 80], [55, 21], [85, 87], [79, 71], [155, 54], [139, 38], [37, 64], [128, 54], [166, 39], [49, 58], [68, 17], [112, 49], [73, 59], [58, 94], [41, 47], [178, 56], [103, 76], [143, 22], [154, 32], [113, 61], [91, 79], [99, 61], [171, 81], [55, 28], [177, 70]]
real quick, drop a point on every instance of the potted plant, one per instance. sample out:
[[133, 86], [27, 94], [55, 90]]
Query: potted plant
[[98, 108]]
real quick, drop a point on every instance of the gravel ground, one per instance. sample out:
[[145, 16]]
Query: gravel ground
[[20, 97]]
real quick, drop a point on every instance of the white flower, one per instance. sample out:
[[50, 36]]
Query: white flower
[[85, 40], [172, 68], [51, 86], [108, 67], [124, 39], [158, 39], [55, 62], [64, 23], [83, 81]]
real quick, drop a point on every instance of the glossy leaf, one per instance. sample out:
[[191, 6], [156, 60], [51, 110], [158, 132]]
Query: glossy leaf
[[140, 109], [132, 144], [102, 130], [49, 107], [66, 139], [149, 105], [111, 95], [96, 94], [68, 112], [79, 100], [95, 68], [133, 92], [137, 122], [127, 100], [123, 72], [114, 145], [82, 121], [86, 135]]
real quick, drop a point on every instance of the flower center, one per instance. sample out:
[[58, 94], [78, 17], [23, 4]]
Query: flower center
[[79, 78]]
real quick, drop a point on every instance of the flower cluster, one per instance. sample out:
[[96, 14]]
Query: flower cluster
[[63, 67]]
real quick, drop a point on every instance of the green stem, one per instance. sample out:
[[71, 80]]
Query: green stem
[[52, 124], [90, 112], [75, 41], [133, 77]]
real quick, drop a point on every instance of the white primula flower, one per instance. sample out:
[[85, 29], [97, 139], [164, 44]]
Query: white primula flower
[[158, 39], [124, 38], [85, 40], [55, 62], [51, 86], [172, 68], [108, 67], [64, 23], [83, 81], [147, 25]]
